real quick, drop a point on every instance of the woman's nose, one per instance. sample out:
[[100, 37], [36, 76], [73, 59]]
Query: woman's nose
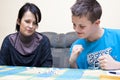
[[31, 25]]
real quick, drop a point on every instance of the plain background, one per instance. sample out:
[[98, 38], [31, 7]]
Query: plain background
[[56, 15]]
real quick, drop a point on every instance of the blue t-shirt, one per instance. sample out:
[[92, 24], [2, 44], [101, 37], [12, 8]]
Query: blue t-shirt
[[108, 44]]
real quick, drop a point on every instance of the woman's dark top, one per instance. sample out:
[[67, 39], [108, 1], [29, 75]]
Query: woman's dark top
[[40, 57]]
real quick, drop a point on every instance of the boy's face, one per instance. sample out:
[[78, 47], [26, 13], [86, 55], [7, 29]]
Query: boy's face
[[84, 27]]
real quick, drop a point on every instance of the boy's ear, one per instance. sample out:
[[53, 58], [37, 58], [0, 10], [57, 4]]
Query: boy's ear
[[18, 21], [97, 22]]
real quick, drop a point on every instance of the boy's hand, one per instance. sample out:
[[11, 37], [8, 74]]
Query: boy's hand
[[107, 62], [77, 49]]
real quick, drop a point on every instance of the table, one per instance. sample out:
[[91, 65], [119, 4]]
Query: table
[[37, 73]]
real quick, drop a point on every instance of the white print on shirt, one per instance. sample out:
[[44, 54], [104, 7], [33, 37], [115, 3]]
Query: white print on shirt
[[92, 58]]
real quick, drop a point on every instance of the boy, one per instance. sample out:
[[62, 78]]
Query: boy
[[97, 48]]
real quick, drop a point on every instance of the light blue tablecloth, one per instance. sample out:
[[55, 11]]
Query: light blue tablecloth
[[35, 73]]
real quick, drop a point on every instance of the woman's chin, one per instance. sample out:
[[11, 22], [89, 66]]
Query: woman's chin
[[28, 34]]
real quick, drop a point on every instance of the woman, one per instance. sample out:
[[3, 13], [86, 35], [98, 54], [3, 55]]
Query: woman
[[26, 47]]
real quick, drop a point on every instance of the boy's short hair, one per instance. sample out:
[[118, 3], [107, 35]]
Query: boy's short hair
[[89, 8]]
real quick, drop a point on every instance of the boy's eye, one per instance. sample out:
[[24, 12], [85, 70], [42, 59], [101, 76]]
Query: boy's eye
[[74, 25], [82, 27]]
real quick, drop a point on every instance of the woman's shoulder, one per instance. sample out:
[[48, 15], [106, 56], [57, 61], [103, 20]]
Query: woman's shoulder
[[7, 41], [41, 36], [9, 35]]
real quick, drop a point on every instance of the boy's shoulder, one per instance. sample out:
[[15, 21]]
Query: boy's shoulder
[[112, 31]]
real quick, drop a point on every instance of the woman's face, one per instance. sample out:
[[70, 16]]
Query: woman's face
[[28, 24]]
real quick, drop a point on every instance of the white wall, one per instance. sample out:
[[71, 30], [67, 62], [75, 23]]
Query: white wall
[[56, 15]]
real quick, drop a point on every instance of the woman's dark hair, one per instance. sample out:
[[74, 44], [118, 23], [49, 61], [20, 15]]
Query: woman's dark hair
[[33, 9], [89, 8]]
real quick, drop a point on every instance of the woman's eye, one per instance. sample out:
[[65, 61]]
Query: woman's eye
[[34, 23], [27, 21]]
